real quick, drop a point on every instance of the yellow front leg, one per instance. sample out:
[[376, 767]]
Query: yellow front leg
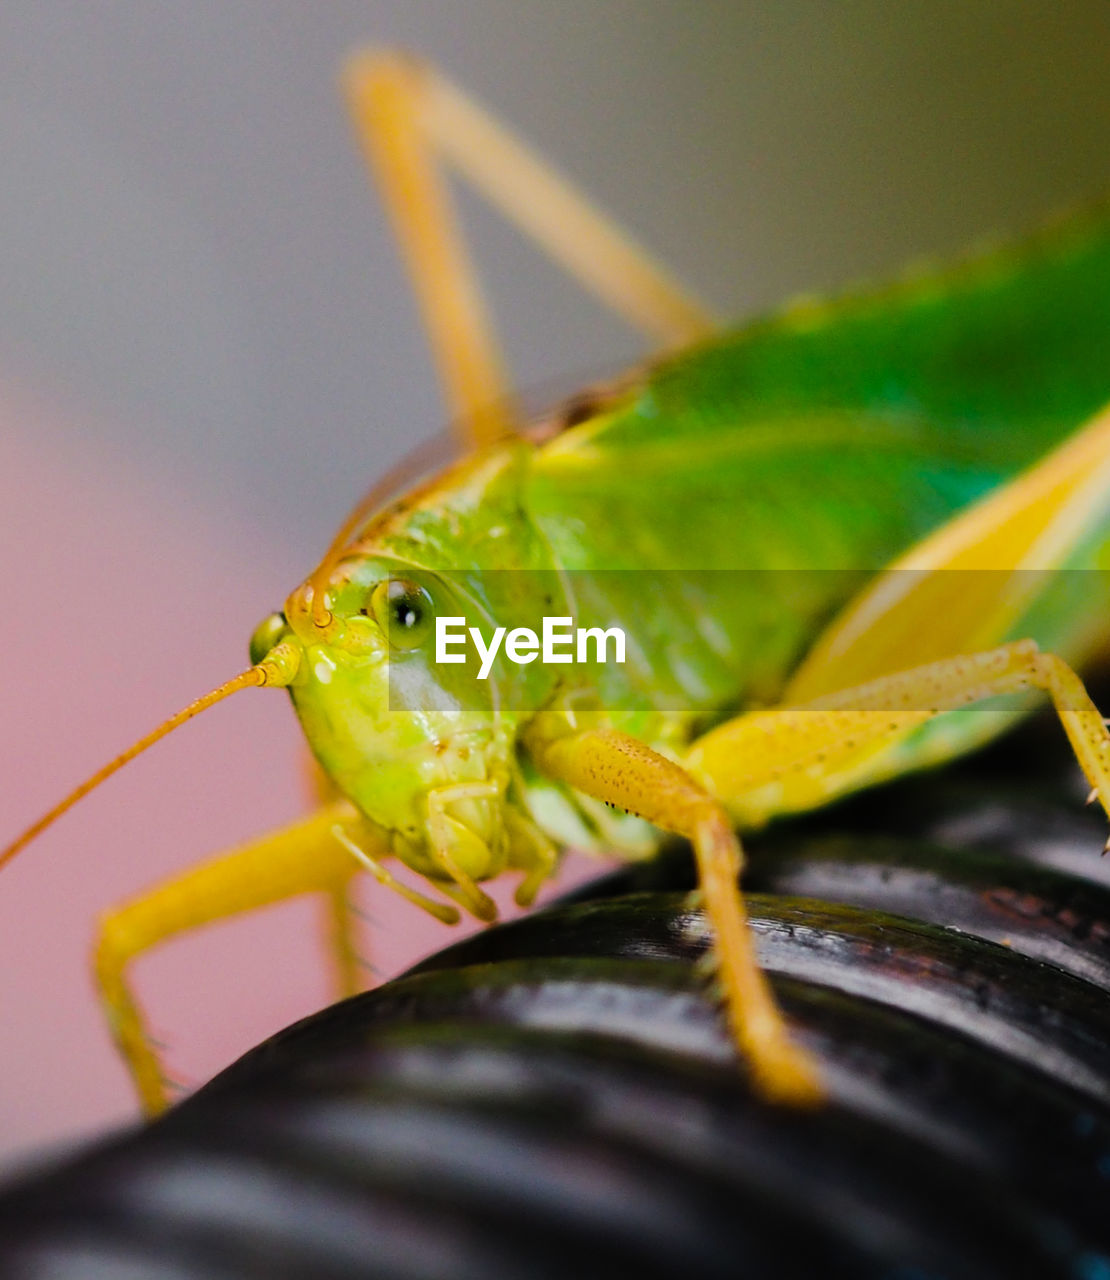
[[790, 758], [620, 770], [302, 858]]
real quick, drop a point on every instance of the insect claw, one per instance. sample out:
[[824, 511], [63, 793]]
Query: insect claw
[[484, 907], [1092, 796], [1106, 848], [176, 1086]]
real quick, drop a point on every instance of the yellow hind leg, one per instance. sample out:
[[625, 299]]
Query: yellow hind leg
[[408, 118]]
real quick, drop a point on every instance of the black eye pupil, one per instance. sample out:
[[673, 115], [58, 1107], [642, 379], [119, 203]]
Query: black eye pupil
[[402, 609], [406, 613]]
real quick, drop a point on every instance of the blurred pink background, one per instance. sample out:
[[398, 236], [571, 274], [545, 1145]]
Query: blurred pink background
[[208, 350]]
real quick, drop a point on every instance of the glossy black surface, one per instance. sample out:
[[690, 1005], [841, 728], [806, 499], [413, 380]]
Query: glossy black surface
[[557, 1097]]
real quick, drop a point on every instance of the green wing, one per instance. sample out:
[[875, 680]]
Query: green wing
[[802, 452]]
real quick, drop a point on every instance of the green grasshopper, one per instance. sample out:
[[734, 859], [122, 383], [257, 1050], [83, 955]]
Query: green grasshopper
[[863, 518]]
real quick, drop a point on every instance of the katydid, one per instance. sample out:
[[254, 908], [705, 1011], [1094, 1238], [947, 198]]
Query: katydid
[[825, 535]]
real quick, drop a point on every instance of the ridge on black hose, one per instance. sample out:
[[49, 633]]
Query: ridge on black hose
[[558, 1096]]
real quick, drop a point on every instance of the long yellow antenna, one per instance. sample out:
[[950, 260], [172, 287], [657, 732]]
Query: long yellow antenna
[[277, 668]]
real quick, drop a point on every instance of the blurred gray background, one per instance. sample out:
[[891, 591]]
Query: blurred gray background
[[208, 350], [188, 242]]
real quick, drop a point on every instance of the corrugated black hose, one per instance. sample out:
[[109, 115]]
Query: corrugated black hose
[[557, 1097]]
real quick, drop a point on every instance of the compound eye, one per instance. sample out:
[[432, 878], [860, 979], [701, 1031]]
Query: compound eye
[[266, 635], [404, 611]]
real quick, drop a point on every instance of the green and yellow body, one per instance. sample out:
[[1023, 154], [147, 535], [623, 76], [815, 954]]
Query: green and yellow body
[[721, 508], [848, 540]]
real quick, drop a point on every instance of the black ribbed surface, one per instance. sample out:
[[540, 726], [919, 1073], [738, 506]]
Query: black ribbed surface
[[556, 1097]]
